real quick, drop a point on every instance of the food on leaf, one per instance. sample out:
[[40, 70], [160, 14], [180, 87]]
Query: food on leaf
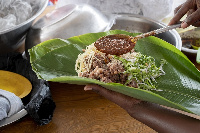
[[132, 69], [54, 60]]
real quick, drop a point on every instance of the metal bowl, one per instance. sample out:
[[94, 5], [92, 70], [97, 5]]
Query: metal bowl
[[11, 39], [65, 22], [140, 24]]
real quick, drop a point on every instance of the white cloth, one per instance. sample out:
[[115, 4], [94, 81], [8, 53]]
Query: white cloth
[[14, 12], [155, 9], [9, 104]]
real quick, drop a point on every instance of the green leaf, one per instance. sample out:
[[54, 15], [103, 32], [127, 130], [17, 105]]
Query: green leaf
[[54, 60]]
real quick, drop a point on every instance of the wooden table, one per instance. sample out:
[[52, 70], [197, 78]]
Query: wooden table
[[78, 111]]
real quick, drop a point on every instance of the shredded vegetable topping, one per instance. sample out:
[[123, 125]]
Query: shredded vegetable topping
[[84, 60], [142, 68]]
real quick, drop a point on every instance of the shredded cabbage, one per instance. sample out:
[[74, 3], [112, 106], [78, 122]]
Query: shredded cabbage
[[142, 69]]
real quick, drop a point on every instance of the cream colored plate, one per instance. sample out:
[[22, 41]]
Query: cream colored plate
[[15, 83]]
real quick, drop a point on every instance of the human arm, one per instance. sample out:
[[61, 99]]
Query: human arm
[[153, 115], [192, 9]]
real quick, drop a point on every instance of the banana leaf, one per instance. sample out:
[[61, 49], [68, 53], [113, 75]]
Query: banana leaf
[[54, 60]]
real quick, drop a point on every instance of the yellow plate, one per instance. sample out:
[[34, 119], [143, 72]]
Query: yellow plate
[[15, 83]]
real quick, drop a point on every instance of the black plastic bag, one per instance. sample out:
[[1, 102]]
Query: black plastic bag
[[39, 103]]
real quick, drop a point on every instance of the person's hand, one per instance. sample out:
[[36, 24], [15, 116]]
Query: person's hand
[[158, 118], [192, 9], [126, 102]]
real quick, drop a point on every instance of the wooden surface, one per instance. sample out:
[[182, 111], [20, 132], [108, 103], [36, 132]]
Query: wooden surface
[[78, 111]]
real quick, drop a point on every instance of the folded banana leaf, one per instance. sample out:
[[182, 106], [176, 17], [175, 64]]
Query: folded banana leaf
[[54, 60]]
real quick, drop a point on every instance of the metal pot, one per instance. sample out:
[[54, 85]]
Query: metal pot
[[67, 21]]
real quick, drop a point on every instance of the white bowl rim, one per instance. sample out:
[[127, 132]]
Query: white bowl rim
[[193, 51]]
